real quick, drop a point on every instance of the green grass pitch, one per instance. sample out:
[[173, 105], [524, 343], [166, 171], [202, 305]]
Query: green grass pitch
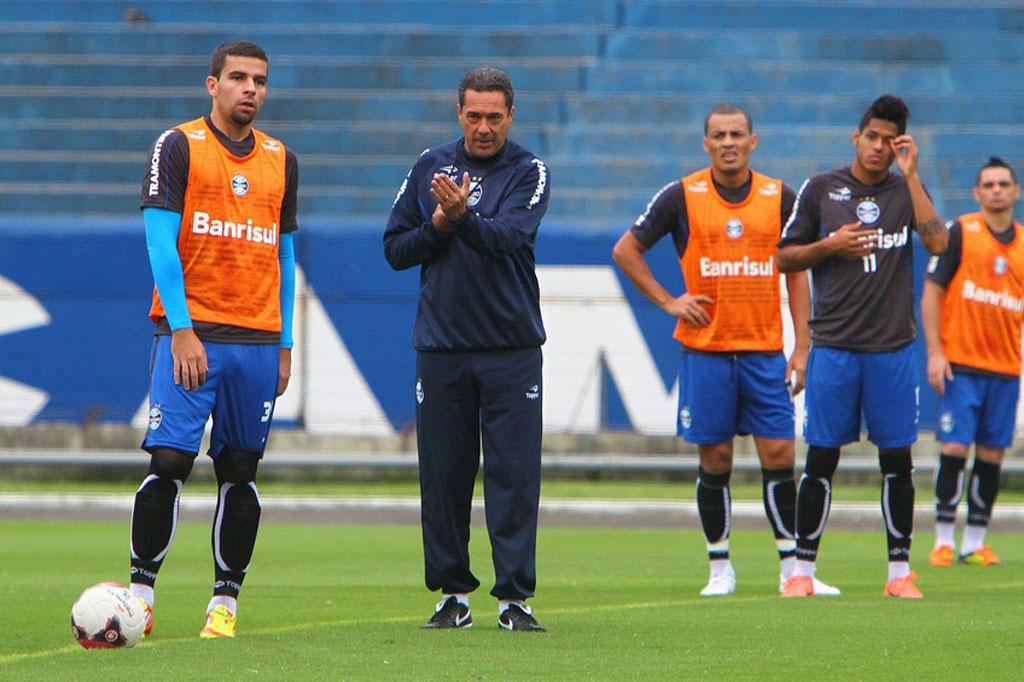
[[347, 602]]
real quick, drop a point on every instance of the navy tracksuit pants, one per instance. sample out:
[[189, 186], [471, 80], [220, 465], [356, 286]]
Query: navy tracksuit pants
[[461, 397]]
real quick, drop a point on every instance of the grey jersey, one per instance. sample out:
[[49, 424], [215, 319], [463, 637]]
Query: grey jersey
[[864, 304]]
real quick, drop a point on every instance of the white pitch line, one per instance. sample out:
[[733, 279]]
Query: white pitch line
[[594, 507]]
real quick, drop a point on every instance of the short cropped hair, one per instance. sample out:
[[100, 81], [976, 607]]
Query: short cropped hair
[[996, 162], [234, 48], [728, 110], [887, 108], [486, 79]]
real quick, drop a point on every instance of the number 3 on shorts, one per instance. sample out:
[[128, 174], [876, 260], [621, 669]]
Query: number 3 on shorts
[[268, 405]]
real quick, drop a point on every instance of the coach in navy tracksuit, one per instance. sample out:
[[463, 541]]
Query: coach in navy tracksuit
[[468, 214]]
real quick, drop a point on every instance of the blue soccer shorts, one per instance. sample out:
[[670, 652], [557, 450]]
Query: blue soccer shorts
[[722, 395], [844, 385], [238, 393], [979, 409]]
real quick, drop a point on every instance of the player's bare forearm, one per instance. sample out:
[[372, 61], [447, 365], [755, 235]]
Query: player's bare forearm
[[938, 368], [931, 307], [929, 226], [797, 257], [284, 373], [628, 254], [799, 309]]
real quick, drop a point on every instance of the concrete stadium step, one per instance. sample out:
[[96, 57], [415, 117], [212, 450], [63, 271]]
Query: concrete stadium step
[[896, 43], [286, 105], [580, 209], [599, 170], [630, 170], [779, 109], [847, 16], [819, 142], [740, 77], [387, 139], [471, 13], [826, 142], [541, 74], [534, 41], [332, 40], [179, 103], [614, 207], [118, 167]]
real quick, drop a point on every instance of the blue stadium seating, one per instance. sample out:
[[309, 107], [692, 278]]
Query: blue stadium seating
[[612, 94]]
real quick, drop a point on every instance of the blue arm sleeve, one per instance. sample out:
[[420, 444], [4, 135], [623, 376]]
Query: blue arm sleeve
[[286, 258], [162, 244]]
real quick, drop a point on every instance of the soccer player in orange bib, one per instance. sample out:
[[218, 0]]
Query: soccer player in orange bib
[[219, 202], [724, 221], [972, 309]]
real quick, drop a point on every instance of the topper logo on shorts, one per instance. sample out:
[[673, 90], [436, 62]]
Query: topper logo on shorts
[[419, 391], [202, 223]]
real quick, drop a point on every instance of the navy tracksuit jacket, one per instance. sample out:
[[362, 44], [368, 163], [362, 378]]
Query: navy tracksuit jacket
[[478, 334]]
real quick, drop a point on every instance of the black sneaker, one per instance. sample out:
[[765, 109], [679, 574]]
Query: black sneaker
[[449, 613], [519, 617]]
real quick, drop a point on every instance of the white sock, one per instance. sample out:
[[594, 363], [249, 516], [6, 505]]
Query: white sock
[[720, 546], [230, 602], [505, 603], [144, 592], [944, 534], [974, 538], [804, 568], [720, 567], [460, 597], [898, 569], [787, 566]]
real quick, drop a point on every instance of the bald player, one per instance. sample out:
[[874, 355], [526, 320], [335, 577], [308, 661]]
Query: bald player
[[733, 378]]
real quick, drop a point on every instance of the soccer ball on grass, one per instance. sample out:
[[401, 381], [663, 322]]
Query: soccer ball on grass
[[107, 616]]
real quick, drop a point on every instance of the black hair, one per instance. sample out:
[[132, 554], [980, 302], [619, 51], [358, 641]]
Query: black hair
[[728, 110], [996, 162], [234, 48], [486, 79], [887, 108]]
